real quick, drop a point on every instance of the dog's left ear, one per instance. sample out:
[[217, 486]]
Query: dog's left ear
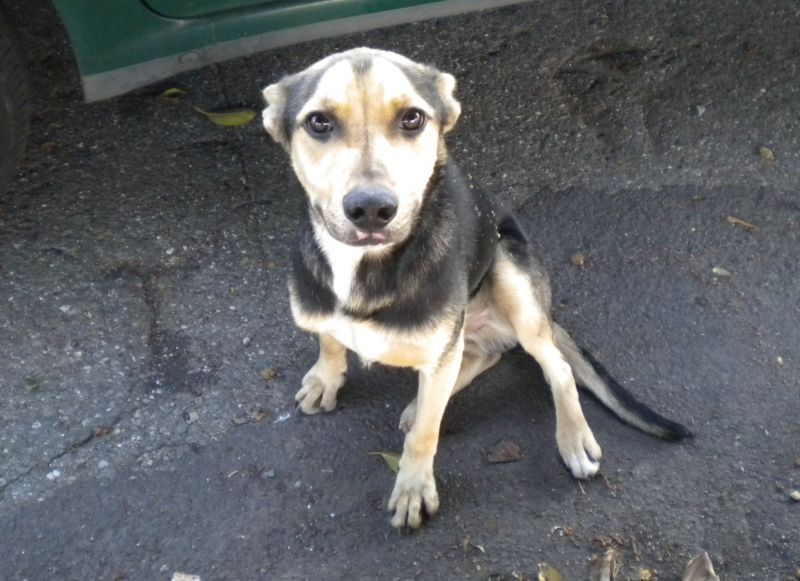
[[451, 109], [272, 116]]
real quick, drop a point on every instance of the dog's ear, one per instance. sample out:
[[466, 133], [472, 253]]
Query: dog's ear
[[272, 116], [451, 109]]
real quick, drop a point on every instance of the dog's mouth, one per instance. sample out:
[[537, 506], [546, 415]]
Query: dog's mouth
[[351, 235], [362, 238]]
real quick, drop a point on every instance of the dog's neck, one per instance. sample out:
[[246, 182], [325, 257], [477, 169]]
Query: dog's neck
[[343, 259]]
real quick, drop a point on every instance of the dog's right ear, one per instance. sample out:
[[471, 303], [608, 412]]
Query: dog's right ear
[[451, 108], [272, 116]]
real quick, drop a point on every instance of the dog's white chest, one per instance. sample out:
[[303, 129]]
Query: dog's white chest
[[372, 343], [369, 344], [344, 261]]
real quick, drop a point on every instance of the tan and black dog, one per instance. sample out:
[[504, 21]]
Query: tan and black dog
[[404, 262]]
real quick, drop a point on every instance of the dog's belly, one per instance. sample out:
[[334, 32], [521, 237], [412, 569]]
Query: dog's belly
[[485, 327]]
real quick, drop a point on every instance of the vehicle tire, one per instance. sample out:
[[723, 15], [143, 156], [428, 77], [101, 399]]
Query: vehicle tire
[[15, 105]]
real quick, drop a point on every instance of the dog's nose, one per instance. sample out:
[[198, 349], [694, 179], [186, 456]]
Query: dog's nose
[[370, 210]]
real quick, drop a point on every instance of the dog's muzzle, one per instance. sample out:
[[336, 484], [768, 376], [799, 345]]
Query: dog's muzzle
[[370, 210]]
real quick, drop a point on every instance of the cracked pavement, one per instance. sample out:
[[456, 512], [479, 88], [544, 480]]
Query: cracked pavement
[[147, 422]]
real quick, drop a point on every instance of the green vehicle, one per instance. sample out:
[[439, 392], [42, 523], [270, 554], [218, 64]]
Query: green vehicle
[[121, 45]]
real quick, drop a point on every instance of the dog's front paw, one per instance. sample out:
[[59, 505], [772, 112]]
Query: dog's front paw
[[317, 394], [409, 416], [579, 449], [414, 490]]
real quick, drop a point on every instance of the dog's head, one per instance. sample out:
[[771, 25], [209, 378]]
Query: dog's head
[[364, 129]]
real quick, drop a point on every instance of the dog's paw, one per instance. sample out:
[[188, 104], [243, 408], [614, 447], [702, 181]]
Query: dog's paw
[[316, 395], [414, 490], [409, 416], [579, 449]]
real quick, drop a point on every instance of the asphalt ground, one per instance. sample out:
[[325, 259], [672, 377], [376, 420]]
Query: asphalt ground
[[149, 359]]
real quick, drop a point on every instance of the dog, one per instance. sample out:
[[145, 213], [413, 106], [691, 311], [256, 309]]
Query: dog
[[404, 261]]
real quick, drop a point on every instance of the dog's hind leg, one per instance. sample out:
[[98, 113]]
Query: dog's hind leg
[[515, 294], [575, 440], [474, 362], [324, 379]]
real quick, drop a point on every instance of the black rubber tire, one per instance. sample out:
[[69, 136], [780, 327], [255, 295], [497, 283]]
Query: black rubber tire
[[15, 104]]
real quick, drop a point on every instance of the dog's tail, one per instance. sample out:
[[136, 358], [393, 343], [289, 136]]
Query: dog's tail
[[591, 375]]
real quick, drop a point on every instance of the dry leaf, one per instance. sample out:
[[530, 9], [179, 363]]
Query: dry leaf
[[603, 540], [229, 117], [184, 577], [392, 460], [766, 153], [699, 569], [612, 488], [505, 451], [251, 416], [466, 543], [578, 260], [646, 574], [563, 531], [268, 374], [719, 271], [743, 223], [547, 573], [606, 567], [102, 431]]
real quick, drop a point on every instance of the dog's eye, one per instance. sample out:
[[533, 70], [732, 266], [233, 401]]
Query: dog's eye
[[412, 120], [319, 123]]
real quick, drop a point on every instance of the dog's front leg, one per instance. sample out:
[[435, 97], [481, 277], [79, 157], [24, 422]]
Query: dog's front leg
[[323, 381], [415, 486]]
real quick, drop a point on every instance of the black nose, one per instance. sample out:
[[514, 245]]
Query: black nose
[[370, 210]]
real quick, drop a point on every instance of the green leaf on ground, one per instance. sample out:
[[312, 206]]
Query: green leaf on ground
[[392, 460], [32, 384], [172, 95], [173, 92], [229, 117], [766, 153], [547, 573]]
